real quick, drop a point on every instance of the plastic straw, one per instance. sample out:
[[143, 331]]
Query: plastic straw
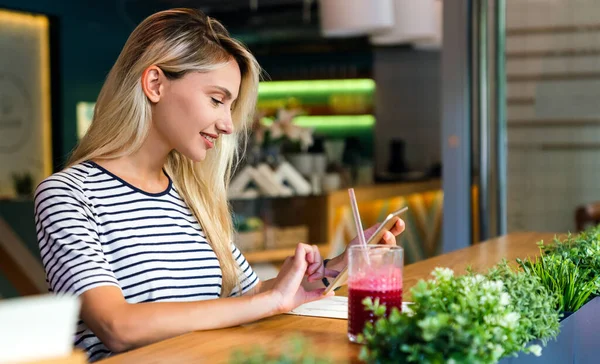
[[359, 229]]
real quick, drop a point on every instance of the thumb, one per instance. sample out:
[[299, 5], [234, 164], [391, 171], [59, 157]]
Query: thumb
[[301, 256], [330, 273]]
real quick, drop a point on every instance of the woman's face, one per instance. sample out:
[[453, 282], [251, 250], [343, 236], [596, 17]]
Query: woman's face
[[194, 111]]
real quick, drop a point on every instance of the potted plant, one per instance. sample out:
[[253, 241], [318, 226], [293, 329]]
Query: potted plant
[[283, 137], [502, 315], [23, 184]]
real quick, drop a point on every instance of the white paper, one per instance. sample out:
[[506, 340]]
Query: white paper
[[331, 307], [37, 327]]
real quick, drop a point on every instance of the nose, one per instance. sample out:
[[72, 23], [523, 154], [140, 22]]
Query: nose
[[225, 124]]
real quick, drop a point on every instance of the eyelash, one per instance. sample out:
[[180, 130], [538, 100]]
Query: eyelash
[[216, 102]]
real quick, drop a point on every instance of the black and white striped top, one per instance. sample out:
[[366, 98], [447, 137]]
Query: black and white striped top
[[94, 229]]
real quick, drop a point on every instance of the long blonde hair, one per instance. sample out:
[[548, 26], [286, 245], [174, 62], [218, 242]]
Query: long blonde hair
[[178, 41]]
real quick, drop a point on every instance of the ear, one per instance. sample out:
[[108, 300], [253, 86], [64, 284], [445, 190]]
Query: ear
[[152, 83]]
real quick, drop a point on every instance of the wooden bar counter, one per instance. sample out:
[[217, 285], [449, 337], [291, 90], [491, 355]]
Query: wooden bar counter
[[327, 337]]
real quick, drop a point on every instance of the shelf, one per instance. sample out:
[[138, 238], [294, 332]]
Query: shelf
[[331, 121], [552, 123], [553, 53], [562, 76], [556, 29], [320, 110]]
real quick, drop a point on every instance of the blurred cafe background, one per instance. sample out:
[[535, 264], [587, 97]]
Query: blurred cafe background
[[481, 116]]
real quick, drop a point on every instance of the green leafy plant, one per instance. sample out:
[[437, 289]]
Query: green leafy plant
[[573, 284], [465, 319], [535, 304], [296, 353], [582, 249]]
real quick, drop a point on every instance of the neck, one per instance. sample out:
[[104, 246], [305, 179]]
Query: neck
[[149, 160], [146, 163]]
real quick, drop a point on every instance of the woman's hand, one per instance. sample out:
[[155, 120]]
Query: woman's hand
[[389, 238], [316, 270], [287, 286]]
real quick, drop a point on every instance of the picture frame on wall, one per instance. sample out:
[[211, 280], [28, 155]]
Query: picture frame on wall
[[25, 102]]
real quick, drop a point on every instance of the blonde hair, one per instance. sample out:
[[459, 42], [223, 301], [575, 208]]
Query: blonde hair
[[178, 41]]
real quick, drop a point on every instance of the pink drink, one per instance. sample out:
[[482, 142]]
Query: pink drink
[[386, 284]]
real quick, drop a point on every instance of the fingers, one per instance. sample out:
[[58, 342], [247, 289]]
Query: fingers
[[398, 227], [315, 270], [388, 239], [297, 263], [303, 254], [316, 261], [330, 273], [307, 258]]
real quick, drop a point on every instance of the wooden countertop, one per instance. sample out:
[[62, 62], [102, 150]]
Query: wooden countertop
[[327, 336]]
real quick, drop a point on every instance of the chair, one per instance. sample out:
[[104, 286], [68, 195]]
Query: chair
[[588, 214], [19, 265]]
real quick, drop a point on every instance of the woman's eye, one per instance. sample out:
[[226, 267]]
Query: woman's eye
[[216, 102]]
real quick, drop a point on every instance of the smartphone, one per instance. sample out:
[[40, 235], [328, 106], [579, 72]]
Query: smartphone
[[385, 226]]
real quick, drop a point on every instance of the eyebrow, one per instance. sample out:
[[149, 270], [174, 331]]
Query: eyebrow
[[227, 93]]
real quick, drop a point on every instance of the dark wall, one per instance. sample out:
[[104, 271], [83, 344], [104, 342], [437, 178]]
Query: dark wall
[[408, 105], [90, 35]]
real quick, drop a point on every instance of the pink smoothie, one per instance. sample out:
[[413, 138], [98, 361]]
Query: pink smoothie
[[386, 286]]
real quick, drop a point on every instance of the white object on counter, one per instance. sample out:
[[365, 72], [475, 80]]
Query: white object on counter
[[287, 173], [331, 307], [37, 327]]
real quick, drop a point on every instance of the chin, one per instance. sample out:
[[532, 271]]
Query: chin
[[199, 157], [195, 155]]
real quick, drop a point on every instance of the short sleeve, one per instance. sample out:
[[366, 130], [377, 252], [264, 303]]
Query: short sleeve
[[247, 278], [68, 239]]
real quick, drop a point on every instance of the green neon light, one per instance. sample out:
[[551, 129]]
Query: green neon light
[[331, 121], [272, 88]]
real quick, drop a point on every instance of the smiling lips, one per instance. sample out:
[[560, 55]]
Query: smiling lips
[[210, 139]]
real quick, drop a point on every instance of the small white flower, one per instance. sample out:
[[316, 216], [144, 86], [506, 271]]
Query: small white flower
[[535, 350], [443, 273], [510, 319], [276, 131], [306, 139], [497, 350], [498, 285], [504, 299]]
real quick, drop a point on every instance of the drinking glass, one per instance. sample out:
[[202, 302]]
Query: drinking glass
[[373, 271]]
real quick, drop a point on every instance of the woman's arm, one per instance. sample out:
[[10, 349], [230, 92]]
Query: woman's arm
[[122, 326]]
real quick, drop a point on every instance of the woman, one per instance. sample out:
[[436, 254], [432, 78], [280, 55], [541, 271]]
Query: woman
[[138, 224]]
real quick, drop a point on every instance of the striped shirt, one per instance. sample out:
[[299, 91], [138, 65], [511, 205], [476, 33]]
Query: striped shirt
[[94, 229]]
